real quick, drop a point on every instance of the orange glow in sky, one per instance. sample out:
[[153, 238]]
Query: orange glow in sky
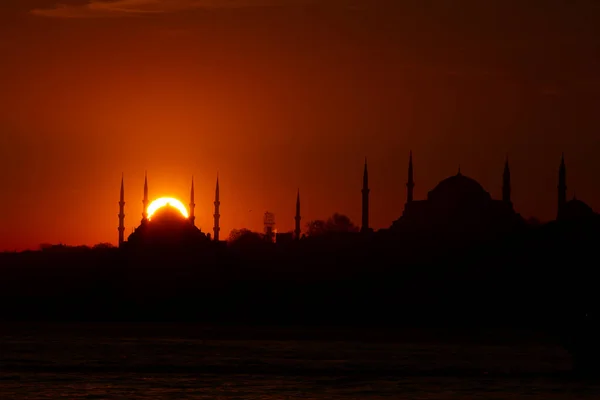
[[292, 95], [167, 201]]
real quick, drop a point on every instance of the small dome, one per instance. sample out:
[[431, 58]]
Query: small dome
[[458, 188]]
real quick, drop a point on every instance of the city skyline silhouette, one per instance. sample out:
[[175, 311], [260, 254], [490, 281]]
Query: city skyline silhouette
[[576, 205], [466, 186]]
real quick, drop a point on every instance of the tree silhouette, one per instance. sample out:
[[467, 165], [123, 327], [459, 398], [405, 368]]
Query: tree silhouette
[[533, 221], [316, 228], [103, 246], [337, 223], [244, 237]]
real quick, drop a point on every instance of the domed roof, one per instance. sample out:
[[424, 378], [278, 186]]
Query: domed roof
[[458, 187], [167, 213], [577, 209], [167, 228]]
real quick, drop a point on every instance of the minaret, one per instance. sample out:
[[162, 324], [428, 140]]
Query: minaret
[[562, 185], [145, 201], [506, 183], [122, 214], [365, 200], [411, 183], [192, 205], [216, 215], [297, 230]]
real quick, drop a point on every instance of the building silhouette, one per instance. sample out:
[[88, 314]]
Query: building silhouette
[[269, 226], [297, 218], [562, 187], [166, 227], [365, 200], [192, 205], [410, 184], [217, 215], [458, 204], [122, 213], [573, 210], [506, 188], [145, 201]]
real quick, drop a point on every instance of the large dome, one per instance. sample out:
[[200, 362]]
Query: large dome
[[459, 188], [576, 209], [167, 214]]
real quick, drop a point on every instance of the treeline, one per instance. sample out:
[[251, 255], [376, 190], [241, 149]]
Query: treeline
[[541, 275]]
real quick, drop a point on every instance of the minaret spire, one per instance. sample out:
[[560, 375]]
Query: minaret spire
[[192, 204], [410, 184], [216, 215], [562, 185], [297, 218], [506, 187], [145, 200], [122, 214], [365, 200]]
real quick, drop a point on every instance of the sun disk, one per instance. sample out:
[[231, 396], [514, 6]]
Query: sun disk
[[167, 201]]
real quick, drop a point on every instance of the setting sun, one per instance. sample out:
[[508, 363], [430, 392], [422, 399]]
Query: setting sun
[[166, 201]]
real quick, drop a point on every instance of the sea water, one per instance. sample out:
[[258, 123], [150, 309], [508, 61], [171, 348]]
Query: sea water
[[41, 362]]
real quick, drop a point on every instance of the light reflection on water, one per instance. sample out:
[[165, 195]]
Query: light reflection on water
[[76, 365]]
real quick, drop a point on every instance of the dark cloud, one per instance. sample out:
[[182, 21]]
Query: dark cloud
[[124, 8]]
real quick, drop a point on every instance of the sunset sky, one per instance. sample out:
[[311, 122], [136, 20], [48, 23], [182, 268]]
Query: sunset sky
[[276, 95]]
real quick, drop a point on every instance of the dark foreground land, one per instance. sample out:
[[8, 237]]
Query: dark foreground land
[[372, 289], [179, 361], [542, 276]]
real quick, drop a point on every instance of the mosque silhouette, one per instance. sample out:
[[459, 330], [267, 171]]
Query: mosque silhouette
[[457, 205], [167, 226]]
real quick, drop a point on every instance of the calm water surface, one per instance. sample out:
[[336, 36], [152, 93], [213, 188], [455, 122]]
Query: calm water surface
[[73, 363]]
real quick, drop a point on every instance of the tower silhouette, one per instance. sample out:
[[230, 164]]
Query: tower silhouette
[[216, 215], [562, 185], [192, 205], [145, 200], [297, 218], [410, 184], [506, 189], [365, 200], [122, 214]]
